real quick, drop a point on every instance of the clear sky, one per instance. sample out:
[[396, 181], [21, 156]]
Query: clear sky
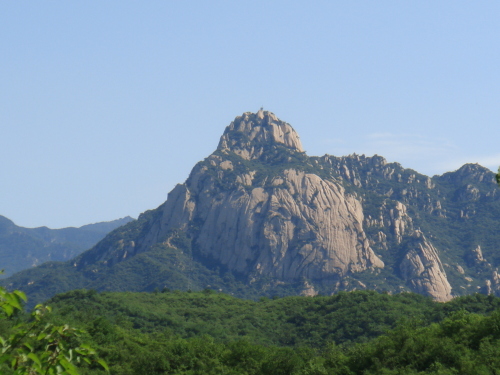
[[106, 105]]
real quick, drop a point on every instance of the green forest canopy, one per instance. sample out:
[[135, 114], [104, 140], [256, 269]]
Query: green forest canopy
[[360, 332]]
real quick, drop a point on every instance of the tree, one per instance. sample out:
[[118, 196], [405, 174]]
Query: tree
[[36, 347]]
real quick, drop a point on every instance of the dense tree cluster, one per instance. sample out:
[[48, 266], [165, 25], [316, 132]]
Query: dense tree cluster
[[173, 332]]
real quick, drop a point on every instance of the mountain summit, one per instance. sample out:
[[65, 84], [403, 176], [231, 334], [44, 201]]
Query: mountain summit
[[265, 218], [260, 217], [251, 134]]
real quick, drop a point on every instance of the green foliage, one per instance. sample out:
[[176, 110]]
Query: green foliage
[[289, 321], [192, 333], [463, 343], [349, 333], [35, 346]]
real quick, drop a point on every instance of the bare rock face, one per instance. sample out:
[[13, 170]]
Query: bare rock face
[[487, 287], [249, 134], [492, 286], [308, 290], [468, 193], [477, 255], [421, 266], [422, 269], [395, 217], [288, 225], [303, 227]]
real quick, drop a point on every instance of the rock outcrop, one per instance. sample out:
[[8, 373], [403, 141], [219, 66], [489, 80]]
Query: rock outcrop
[[421, 266], [493, 285], [307, 227], [423, 271], [474, 256], [393, 216], [288, 225], [249, 135]]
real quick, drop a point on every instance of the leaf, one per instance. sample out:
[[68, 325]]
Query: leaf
[[35, 359], [13, 300], [4, 358], [21, 295], [103, 364], [69, 367], [8, 309]]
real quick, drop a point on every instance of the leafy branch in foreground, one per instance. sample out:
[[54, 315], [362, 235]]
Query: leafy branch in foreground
[[35, 347]]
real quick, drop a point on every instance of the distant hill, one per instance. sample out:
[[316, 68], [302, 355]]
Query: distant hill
[[22, 248], [259, 217]]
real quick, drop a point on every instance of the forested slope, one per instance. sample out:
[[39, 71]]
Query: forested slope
[[23, 248], [364, 332]]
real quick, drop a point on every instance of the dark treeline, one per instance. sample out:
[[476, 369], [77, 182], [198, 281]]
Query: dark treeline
[[348, 333]]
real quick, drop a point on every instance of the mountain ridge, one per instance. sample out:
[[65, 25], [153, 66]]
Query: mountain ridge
[[261, 214], [21, 247]]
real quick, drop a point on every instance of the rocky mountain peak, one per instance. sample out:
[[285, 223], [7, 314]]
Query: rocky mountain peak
[[259, 212], [474, 173], [252, 134]]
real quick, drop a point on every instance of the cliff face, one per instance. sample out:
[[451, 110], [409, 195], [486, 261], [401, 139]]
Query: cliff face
[[300, 226], [288, 224], [420, 265], [423, 271]]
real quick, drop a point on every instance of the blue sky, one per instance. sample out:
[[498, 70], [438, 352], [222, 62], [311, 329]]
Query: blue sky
[[105, 106]]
